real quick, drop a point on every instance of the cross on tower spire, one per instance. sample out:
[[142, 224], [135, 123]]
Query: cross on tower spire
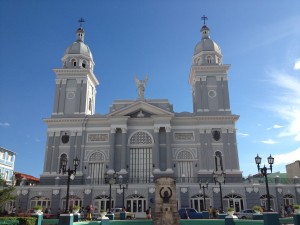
[[81, 20], [204, 18]]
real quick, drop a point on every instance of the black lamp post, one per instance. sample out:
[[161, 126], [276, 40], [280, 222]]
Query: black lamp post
[[203, 187], [71, 175], [123, 187], [264, 172], [110, 179], [220, 178]]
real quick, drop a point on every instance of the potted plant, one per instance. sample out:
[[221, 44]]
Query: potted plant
[[257, 209], [76, 208], [102, 213], [37, 209], [230, 211], [296, 208]]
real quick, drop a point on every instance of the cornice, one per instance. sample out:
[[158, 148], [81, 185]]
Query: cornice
[[77, 73]]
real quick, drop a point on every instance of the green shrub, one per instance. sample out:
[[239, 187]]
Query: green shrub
[[21, 220], [26, 220]]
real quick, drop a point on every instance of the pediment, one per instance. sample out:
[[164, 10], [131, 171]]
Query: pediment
[[141, 109]]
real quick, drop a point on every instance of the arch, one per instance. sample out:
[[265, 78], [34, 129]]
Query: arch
[[84, 63], [102, 202], [74, 200], [184, 155], [96, 167], [209, 59], [136, 203], [62, 157], [141, 137], [218, 161], [264, 201], [185, 168], [233, 200], [288, 199], [73, 62], [96, 157], [40, 200], [197, 202]]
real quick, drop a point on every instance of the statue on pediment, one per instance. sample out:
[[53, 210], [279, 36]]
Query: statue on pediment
[[141, 85]]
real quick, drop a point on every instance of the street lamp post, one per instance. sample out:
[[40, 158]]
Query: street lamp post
[[220, 178], [203, 187], [264, 172], [110, 179], [71, 175], [123, 187]]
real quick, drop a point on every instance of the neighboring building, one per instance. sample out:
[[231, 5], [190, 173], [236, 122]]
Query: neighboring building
[[142, 139], [7, 165], [22, 179], [293, 169]]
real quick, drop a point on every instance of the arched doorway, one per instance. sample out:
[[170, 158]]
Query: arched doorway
[[264, 201], [197, 202], [73, 200], [137, 204], [40, 200], [102, 202], [233, 201]]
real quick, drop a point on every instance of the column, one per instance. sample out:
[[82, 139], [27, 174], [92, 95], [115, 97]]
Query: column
[[169, 150], [112, 149], [124, 144], [155, 153]]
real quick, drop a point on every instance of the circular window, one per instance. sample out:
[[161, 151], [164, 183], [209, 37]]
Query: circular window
[[65, 138], [70, 95], [212, 93]]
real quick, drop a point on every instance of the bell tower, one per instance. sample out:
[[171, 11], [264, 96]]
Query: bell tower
[[208, 77], [76, 82]]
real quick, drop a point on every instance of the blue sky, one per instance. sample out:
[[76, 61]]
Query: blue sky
[[260, 39]]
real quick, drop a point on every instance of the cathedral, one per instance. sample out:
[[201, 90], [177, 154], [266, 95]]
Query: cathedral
[[112, 160]]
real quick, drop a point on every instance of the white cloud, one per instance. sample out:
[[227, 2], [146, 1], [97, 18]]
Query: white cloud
[[5, 124], [269, 142], [297, 65], [276, 126], [287, 103], [242, 134], [288, 157]]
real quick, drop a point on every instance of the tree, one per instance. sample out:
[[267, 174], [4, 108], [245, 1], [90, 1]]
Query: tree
[[6, 193]]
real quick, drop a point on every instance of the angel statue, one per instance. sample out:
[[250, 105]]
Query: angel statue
[[141, 84]]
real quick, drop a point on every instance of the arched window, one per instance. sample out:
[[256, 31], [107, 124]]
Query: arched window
[[63, 157], [197, 202], [40, 200], [97, 168], [73, 61], [218, 161], [140, 157], [102, 202], [136, 203], [209, 59], [288, 199], [184, 164], [73, 200], [233, 201], [83, 63], [264, 201]]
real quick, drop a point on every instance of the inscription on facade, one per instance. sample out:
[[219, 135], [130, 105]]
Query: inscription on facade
[[97, 137], [184, 136]]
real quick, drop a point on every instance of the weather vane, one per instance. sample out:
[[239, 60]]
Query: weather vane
[[81, 20], [204, 18]]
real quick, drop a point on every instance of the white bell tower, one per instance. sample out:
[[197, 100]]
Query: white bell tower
[[75, 81]]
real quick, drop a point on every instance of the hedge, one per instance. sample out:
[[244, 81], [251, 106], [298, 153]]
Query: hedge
[[21, 220]]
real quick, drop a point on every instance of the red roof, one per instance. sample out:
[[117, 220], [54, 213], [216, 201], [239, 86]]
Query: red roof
[[28, 177]]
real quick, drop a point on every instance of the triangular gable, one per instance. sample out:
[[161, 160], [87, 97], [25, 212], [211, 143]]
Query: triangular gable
[[142, 107]]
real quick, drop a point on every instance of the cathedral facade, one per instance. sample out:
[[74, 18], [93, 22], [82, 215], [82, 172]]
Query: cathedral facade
[[142, 139]]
